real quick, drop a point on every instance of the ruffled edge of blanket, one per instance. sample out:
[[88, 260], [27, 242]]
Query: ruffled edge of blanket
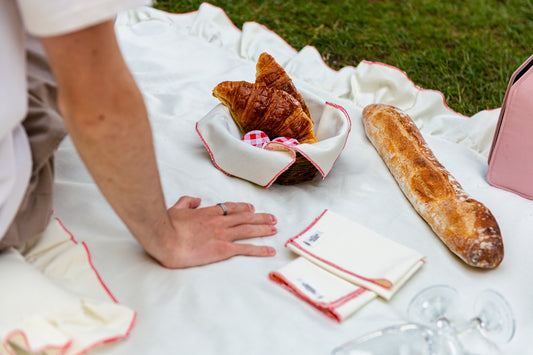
[[63, 327], [357, 86]]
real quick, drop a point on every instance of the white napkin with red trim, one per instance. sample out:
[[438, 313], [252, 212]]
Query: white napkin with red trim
[[330, 294], [344, 265], [230, 154], [53, 300], [356, 253]]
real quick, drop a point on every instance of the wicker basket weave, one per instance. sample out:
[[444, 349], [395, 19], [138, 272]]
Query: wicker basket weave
[[300, 171]]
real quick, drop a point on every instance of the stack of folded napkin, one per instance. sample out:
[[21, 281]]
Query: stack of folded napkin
[[343, 265]]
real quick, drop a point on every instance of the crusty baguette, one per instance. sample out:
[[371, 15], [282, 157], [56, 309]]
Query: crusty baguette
[[463, 224]]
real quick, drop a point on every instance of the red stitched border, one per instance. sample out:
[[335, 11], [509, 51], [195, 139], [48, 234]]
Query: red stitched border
[[374, 281], [292, 241], [65, 347], [209, 151], [349, 297], [72, 239], [109, 340], [343, 110], [89, 259], [6, 345], [323, 307], [328, 308], [288, 149], [307, 228]]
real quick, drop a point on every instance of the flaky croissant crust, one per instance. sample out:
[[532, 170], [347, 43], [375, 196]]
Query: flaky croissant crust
[[271, 104], [273, 111], [269, 72]]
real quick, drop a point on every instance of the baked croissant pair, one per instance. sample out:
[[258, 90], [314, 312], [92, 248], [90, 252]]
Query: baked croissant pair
[[271, 104]]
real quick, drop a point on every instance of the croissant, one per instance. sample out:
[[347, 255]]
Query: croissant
[[258, 106], [268, 71]]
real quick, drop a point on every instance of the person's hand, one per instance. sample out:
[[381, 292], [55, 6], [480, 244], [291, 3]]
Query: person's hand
[[106, 118], [205, 235]]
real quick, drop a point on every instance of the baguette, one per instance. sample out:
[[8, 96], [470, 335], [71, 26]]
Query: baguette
[[463, 224]]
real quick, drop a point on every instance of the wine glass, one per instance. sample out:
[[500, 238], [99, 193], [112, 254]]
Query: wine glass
[[436, 305], [436, 328], [429, 331], [402, 339], [492, 324]]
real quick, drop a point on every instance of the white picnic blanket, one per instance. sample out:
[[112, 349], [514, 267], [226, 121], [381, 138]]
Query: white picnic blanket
[[232, 307]]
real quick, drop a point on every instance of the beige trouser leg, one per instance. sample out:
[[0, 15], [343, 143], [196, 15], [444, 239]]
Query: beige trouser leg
[[45, 130]]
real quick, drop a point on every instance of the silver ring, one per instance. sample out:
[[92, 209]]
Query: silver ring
[[224, 209]]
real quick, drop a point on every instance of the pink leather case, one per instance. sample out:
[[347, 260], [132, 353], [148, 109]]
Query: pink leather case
[[511, 154]]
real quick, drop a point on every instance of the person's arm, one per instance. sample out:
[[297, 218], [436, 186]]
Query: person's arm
[[106, 118]]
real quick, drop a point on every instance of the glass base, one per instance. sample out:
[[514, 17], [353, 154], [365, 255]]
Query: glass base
[[404, 339], [432, 304]]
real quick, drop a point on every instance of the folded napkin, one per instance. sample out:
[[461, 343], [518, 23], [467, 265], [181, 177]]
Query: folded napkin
[[229, 153], [332, 295], [356, 254], [53, 300]]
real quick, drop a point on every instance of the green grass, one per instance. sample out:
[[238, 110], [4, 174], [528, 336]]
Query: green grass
[[465, 49]]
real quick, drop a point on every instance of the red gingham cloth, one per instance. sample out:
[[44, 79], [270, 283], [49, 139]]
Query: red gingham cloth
[[259, 139], [291, 142], [256, 138]]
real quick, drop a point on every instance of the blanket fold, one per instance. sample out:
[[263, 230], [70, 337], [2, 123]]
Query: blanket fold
[[56, 301]]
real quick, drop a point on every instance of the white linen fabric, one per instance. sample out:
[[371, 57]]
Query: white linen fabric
[[232, 307], [357, 254], [53, 300], [50, 18], [332, 295]]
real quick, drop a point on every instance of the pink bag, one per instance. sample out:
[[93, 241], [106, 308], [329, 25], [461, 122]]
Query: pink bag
[[511, 154]]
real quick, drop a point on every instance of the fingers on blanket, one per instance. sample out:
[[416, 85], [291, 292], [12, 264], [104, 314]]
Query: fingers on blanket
[[227, 208], [253, 250], [260, 226], [243, 214]]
